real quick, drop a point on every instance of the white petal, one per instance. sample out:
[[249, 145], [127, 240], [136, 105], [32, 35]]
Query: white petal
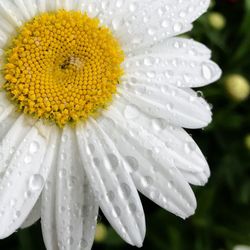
[[34, 215], [112, 184], [196, 178], [41, 5], [76, 207], [7, 28], [12, 139], [179, 148], [175, 105], [92, 8], [70, 4], [23, 180], [176, 61], [3, 38], [10, 13], [48, 208], [5, 107], [27, 7], [141, 23], [5, 126], [152, 170]]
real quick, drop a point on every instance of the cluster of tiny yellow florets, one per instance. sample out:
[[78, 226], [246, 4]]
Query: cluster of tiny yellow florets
[[63, 66]]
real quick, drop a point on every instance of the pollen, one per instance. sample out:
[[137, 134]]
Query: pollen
[[63, 66]]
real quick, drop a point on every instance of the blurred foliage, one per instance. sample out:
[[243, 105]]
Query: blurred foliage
[[222, 219]]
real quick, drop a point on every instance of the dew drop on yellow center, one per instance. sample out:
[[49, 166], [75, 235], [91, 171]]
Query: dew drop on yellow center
[[63, 66]]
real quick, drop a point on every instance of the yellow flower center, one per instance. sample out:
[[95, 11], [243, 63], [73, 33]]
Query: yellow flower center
[[63, 66]]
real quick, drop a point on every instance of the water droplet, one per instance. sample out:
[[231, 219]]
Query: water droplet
[[12, 202], [117, 211], [158, 124], [27, 159], [133, 163], [96, 161], [70, 241], [132, 207], [83, 243], [146, 181], [206, 72], [131, 112], [178, 27], [190, 147], [113, 160], [36, 182], [64, 138], [132, 7], [17, 214], [62, 173], [126, 189], [151, 32], [91, 148], [34, 147], [151, 74], [111, 195], [170, 184], [164, 24], [200, 94], [63, 156], [148, 61]]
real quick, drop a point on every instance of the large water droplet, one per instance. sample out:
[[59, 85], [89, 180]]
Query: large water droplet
[[34, 147], [190, 147], [133, 163], [27, 159], [113, 160], [111, 195], [132, 207], [178, 27], [36, 182], [206, 72], [158, 124], [126, 190]]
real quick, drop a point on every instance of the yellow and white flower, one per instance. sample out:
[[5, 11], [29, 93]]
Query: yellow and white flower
[[94, 96]]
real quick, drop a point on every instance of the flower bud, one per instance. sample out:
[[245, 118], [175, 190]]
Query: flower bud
[[217, 20], [237, 87], [101, 232]]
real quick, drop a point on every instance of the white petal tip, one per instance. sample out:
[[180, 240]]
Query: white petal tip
[[217, 72], [138, 240], [139, 245], [5, 234]]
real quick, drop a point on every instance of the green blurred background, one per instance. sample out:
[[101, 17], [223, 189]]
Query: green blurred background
[[222, 219]]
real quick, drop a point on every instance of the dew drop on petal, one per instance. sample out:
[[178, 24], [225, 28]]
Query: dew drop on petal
[[164, 24], [189, 147], [36, 182], [158, 124], [34, 147], [133, 163], [131, 112], [111, 195], [177, 27], [83, 243], [206, 72], [113, 160], [132, 207], [27, 159], [126, 190]]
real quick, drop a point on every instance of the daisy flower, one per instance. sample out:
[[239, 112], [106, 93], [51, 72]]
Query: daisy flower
[[94, 98]]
